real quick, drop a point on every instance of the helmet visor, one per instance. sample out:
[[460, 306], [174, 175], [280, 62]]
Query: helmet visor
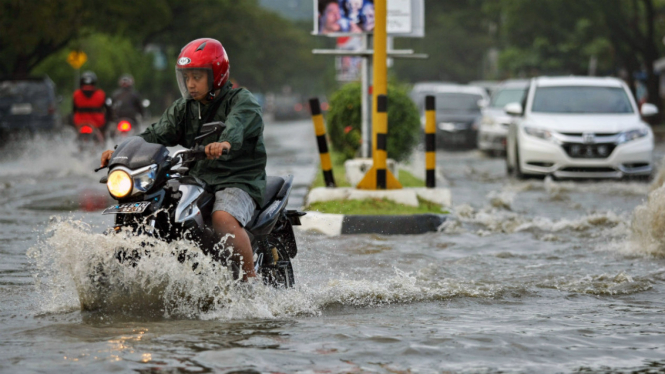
[[194, 83]]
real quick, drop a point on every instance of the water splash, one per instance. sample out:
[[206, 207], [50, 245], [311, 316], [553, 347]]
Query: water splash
[[76, 268], [648, 226], [56, 156], [494, 220], [603, 284]]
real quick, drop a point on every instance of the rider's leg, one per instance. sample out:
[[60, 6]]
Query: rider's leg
[[232, 211], [224, 223]]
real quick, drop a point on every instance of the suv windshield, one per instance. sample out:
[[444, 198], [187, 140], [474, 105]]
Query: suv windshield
[[506, 96], [457, 102], [25, 89], [581, 99]]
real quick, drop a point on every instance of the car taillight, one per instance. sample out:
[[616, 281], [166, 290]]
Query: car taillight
[[85, 130], [124, 126], [297, 107]]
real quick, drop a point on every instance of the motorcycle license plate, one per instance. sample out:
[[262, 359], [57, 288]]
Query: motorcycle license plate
[[127, 208]]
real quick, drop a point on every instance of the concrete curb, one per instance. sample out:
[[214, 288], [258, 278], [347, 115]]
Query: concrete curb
[[407, 196], [339, 224]]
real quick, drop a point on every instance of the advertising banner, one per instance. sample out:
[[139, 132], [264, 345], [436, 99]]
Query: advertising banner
[[349, 67], [345, 17]]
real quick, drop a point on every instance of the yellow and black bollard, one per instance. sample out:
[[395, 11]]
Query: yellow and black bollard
[[320, 130], [430, 141]]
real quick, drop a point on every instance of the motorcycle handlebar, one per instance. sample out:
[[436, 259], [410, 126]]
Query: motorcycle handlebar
[[196, 153]]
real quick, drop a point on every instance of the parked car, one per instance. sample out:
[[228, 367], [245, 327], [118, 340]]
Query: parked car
[[28, 105], [422, 89], [285, 107], [495, 122], [579, 127], [458, 114], [489, 86]]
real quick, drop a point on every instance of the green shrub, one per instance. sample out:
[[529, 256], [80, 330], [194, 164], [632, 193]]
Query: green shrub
[[344, 122]]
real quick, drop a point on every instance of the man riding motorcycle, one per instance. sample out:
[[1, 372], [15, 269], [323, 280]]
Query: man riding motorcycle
[[238, 177], [90, 103], [126, 101]]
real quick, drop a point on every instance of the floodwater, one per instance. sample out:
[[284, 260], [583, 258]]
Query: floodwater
[[527, 276]]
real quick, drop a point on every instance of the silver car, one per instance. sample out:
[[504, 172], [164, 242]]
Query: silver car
[[495, 122]]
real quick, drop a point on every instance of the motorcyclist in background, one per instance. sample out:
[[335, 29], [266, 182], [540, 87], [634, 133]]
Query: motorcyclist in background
[[90, 103], [126, 101]]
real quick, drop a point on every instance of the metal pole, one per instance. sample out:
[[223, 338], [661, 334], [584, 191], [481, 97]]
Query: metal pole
[[378, 176], [366, 125]]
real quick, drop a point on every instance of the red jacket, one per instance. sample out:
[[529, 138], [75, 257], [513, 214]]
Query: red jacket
[[89, 106]]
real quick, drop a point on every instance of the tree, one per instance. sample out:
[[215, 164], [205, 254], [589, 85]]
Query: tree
[[457, 37], [34, 30]]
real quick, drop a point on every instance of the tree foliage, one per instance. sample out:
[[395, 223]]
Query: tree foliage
[[344, 122], [266, 51], [544, 37]]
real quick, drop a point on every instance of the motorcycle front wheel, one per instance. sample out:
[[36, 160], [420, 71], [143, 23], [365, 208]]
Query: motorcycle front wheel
[[276, 269]]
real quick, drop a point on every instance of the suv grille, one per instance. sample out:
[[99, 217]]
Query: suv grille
[[583, 169], [600, 150]]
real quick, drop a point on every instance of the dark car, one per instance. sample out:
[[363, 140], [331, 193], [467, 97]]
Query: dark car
[[458, 114], [285, 107], [28, 105]]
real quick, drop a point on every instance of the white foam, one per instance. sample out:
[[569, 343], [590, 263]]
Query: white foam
[[70, 256], [57, 156], [500, 221], [648, 227]]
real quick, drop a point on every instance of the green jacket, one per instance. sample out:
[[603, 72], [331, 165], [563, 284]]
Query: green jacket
[[245, 165]]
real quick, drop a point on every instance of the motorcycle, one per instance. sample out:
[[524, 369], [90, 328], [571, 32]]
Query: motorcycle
[[89, 137], [124, 128], [157, 197]]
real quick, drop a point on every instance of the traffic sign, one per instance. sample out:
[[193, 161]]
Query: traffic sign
[[77, 58]]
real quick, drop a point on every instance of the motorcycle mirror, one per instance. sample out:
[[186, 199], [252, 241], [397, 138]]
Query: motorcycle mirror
[[210, 128]]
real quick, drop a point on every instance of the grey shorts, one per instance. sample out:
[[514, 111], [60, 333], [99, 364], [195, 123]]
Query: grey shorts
[[235, 202]]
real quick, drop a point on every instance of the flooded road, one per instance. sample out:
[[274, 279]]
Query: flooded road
[[535, 275]]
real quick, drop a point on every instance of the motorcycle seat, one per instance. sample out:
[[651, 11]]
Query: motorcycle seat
[[273, 185]]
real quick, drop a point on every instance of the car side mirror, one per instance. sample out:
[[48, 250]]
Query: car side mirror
[[513, 109], [211, 128], [649, 110]]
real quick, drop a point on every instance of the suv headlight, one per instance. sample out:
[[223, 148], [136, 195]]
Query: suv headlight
[[538, 133], [630, 135]]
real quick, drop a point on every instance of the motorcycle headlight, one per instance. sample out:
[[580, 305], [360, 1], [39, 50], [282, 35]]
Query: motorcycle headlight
[[120, 184], [144, 180], [632, 135]]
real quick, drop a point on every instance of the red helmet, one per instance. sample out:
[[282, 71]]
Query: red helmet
[[203, 54]]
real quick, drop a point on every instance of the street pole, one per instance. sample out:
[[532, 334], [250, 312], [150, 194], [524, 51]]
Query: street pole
[[366, 99], [379, 177]]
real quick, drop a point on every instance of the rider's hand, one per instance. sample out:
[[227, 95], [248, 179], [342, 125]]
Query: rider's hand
[[106, 157], [214, 150]]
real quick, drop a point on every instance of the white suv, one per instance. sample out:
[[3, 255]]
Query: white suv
[[579, 127]]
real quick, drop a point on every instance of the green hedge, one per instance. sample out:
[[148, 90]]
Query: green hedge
[[344, 121]]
